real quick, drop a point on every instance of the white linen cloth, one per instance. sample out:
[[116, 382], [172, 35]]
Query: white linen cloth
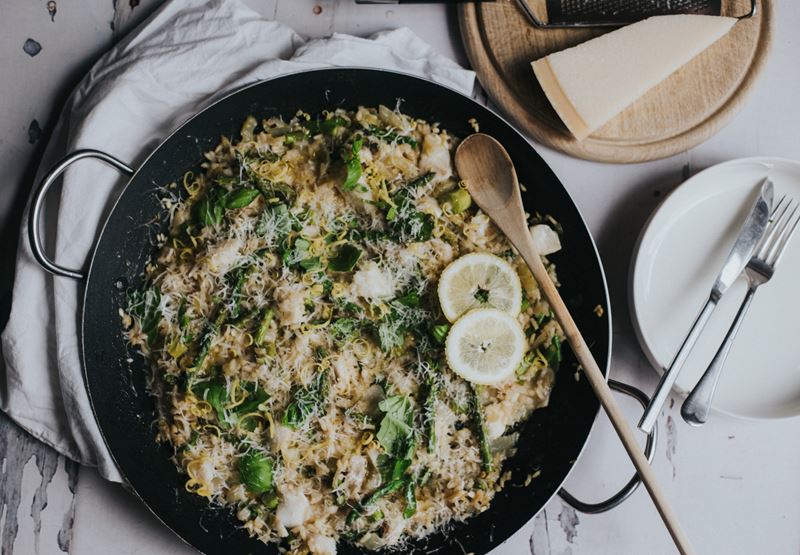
[[185, 55]]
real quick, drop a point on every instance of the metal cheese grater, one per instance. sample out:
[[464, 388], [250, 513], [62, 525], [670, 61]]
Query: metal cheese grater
[[601, 13]]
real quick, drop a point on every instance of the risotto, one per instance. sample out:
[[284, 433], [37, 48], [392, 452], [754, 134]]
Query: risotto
[[291, 322]]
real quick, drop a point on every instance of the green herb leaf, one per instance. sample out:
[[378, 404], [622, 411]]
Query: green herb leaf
[[346, 258], [396, 433], [211, 210], [255, 471], [409, 224], [344, 329], [553, 352], [296, 253], [409, 299], [526, 303], [146, 307], [215, 393], [255, 396], [311, 264], [241, 197], [352, 161], [307, 400], [326, 126]]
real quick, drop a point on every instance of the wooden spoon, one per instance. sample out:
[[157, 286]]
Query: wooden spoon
[[488, 171]]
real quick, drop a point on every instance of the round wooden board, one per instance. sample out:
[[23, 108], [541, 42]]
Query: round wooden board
[[681, 112]]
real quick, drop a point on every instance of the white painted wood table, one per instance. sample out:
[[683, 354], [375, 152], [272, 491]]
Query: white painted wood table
[[735, 484]]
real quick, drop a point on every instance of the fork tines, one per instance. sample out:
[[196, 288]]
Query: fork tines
[[782, 225]]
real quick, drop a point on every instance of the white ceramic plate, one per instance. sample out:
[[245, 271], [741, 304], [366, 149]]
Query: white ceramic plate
[[675, 264]]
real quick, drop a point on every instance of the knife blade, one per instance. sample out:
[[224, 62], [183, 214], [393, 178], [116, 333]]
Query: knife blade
[[749, 235]]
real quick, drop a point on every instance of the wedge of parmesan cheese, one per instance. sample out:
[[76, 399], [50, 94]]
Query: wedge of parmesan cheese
[[592, 82]]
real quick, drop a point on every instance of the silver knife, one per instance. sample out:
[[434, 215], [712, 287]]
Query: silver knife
[[749, 236]]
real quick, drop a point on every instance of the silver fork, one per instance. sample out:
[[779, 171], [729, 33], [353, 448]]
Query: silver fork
[[759, 270]]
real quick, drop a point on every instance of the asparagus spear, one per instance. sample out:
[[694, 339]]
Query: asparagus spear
[[240, 278], [480, 427], [430, 412], [383, 491], [212, 328], [263, 326]]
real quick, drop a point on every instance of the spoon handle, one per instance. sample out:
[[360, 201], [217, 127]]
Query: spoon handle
[[521, 239]]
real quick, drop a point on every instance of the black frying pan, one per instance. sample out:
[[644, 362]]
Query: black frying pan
[[551, 440]]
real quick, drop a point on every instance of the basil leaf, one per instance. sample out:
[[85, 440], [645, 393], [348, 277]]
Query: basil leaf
[[346, 259], [205, 212], [409, 224], [241, 197], [296, 253], [146, 307], [310, 264], [307, 400], [326, 126], [215, 393], [211, 210], [255, 472], [553, 352], [396, 433], [352, 161], [409, 299], [255, 396]]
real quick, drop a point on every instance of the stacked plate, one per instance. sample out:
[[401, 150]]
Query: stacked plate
[[682, 247]]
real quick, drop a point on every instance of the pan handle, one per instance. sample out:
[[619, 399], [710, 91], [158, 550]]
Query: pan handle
[[35, 214], [633, 483]]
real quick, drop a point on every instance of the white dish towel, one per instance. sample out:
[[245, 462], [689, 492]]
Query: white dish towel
[[188, 53]]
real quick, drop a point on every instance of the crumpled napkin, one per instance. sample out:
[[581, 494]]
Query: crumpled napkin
[[178, 61]]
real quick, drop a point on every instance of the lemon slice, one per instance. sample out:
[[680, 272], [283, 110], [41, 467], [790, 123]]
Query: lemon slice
[[485, 346], [479, 280]]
